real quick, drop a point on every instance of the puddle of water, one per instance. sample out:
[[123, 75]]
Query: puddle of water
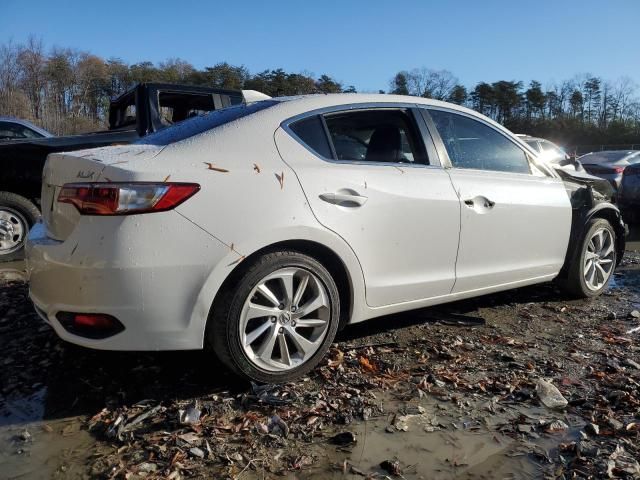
[[31, 447], [56, 449], [468, 445], [433, 455], [23, 410], [628, 278]]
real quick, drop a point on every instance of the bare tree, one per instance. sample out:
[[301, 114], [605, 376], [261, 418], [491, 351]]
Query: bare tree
[[426, 82], [31, 60], [12, 99]]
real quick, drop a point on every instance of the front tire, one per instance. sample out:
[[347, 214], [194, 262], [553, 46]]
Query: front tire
[[278, 319], [17, 216], [593, 267]]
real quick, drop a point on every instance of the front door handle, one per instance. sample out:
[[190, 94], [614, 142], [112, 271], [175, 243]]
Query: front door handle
[[344, 199]]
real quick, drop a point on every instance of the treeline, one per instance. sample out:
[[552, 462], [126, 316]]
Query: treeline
[[585, 110], [67, 91]]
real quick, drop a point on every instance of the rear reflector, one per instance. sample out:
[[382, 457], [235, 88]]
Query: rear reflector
[[90, 325], [125, 198]]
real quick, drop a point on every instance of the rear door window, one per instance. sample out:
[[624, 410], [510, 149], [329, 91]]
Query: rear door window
[[382, 135]]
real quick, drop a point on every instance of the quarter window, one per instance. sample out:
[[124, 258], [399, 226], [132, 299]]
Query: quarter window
[[472, 144], [311, 131]]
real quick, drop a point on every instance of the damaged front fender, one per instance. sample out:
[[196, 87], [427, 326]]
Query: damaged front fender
[[590, 198]]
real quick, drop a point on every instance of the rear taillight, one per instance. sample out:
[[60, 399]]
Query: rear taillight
[[125, 198], [618, 169]]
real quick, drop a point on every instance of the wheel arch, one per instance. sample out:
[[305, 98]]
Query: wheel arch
[[612, 214], [580, 220], [331, 251]]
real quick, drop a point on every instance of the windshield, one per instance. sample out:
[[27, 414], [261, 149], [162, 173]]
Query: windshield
[[196, 125]]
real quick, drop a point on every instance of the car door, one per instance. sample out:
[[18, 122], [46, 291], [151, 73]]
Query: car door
[[516, 217], [370, 178]]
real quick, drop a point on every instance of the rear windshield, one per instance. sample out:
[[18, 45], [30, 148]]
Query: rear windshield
[[193, 126]]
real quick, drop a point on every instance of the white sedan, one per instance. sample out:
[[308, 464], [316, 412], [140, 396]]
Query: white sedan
[[262, 229]]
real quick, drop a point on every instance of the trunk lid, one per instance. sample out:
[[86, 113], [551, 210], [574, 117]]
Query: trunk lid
[[598, 169], [79, 167]]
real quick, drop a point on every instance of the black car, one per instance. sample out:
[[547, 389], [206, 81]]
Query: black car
[[629, 193]]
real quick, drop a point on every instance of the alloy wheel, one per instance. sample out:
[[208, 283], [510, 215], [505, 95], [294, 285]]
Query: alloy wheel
[[599, 259], [285, 319]]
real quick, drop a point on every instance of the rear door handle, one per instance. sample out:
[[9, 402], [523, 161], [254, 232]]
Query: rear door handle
[[479, 202], [344, 199]]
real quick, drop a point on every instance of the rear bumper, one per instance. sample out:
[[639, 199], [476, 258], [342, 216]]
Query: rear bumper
[[147, 273]]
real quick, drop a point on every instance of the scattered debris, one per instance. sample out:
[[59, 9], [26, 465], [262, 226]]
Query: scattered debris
[[557, 426], [343, 438], [189, 415], [549, 395], [392, 467], [277, 426], [196, 452], [592, 429]]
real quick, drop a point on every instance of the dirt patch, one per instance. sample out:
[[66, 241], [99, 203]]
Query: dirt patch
[[435, 393]]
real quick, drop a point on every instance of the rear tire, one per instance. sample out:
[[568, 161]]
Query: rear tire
[[277, 320], [17, 216], [593, 267]]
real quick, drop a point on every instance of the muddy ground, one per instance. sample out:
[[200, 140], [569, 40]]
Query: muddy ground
[[448, 392]]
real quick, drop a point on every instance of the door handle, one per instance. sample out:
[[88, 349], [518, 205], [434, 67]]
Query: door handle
[[344, 199], [479, 202]]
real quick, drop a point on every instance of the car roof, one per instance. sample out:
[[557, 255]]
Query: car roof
[[301, 104], [528, 138], [26, 123], [331, 99]]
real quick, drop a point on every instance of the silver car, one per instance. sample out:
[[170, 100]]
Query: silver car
[[551, 153], [16, 129], [609, 164]]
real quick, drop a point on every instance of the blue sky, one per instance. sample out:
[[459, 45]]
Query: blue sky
[[357, 42]]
